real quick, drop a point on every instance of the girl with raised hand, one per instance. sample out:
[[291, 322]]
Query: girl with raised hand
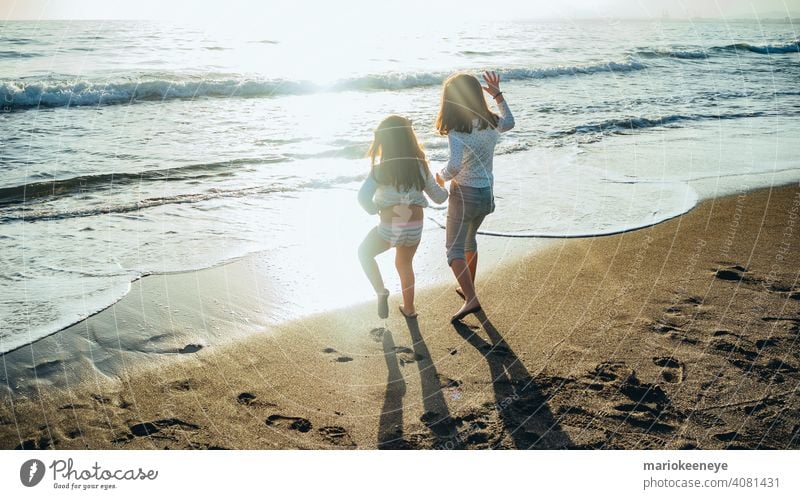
[[472, 131]]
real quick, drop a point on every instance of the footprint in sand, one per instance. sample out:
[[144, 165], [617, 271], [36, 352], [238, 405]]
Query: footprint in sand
[[441, 426], [290, 422], [377, 334], [340, 358], [705, 419], [406, 355], [74, 433], [673, 371], [183, 385], [100, 399], [47, 368], [724, 332], [753, 410], [645, 422], [675, 330], [686, 306], [73, 407], [249, 399], [769, 342], [730, 273], [446, 382], [643, 393], [727, 347], [666, 326], [336, 435], [245, 398], [190, 348], [726, 437], [150, 428], [608, 371], [41, 443]]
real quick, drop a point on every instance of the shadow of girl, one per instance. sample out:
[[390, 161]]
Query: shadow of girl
[[390, 425], [436, 416], [522, 408]]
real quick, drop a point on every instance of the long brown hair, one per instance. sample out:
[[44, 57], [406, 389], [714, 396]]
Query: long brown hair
[[397, 156], [462, 101]]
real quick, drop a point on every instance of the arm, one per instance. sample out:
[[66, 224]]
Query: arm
[[506, 121], [437, 194], [456, 155], [365, 194]]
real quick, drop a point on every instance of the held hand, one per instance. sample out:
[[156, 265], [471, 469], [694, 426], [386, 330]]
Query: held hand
[[439, 180], [492, 80]]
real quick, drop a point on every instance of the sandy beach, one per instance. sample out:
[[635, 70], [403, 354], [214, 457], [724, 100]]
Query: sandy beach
[[679, 336]]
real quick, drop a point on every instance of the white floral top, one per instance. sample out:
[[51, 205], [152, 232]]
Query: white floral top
[[471, 154]]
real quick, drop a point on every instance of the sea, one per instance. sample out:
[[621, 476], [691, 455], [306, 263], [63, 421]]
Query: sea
[[138, 148]]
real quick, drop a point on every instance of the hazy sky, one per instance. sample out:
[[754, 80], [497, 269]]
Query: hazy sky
[[228, 10]]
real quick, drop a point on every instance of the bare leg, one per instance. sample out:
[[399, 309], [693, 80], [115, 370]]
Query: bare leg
[[405, 269], [464, 278], [472, 263], [372, 246]]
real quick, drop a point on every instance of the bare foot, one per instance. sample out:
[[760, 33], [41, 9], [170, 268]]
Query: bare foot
[[383, 304], [469, 307], [408, 312]]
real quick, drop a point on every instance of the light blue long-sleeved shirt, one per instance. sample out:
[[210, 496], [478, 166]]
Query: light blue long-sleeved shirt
[[373, 196], [471, 154]]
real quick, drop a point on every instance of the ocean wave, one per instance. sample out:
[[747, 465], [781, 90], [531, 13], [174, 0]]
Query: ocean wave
[[480, 52], [350, 151], [88, 183], [674, 53], [26, 94], [17, 40], [636, 123], [32, 214], [785, 48], [37, 215], [13, 54]]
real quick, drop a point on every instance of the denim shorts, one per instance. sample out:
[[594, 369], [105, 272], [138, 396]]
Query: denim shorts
[[465, 212]]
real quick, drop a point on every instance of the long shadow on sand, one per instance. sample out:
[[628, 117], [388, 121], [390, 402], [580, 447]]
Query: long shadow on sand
[[523, 409], [436, 416], [390, 425]]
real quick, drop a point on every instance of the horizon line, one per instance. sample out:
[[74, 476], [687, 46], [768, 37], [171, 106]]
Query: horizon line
[[793, 16]]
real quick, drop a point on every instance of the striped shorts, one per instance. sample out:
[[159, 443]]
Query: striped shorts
[[401, 234]]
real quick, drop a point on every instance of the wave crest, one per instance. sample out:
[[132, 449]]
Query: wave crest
[[617, 125], [673, 53], [54, 93], [785, 48]]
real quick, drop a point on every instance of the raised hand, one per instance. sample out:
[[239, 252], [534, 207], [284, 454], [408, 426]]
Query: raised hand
[[492, 80]]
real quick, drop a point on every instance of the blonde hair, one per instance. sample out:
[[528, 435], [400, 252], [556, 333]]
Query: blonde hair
[[463, 101], [396, 155]]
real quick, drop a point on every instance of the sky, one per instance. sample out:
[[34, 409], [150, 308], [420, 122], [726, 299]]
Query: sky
[[210, 11]]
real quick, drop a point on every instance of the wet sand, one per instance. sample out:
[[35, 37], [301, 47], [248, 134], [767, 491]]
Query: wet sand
[[678, 336]]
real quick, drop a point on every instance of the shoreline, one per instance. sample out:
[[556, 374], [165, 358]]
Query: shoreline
[[286, 249], [455, 405]]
